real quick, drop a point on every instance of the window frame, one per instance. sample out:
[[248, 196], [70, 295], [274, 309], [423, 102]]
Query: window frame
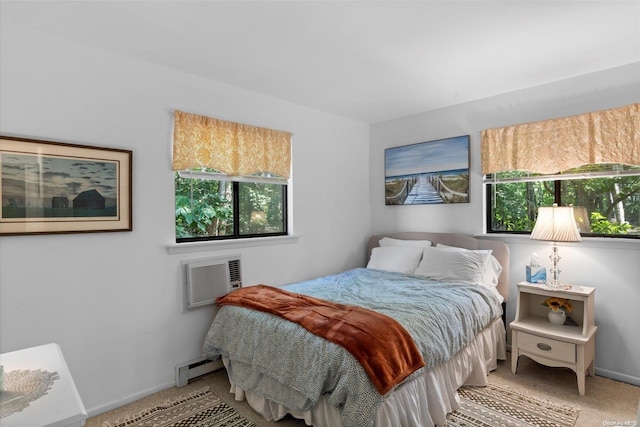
[[488, 182], [236, 181]]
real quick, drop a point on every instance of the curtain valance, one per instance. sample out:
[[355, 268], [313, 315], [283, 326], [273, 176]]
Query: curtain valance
[[233, 148], [552, 146]]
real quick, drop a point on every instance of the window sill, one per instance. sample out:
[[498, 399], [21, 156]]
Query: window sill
[[182, 248], [594, 242]]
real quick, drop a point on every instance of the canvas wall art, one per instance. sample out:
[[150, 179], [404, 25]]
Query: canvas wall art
[[430, 172]]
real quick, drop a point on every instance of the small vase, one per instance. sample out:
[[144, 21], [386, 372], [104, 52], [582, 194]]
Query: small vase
[[557, 317]]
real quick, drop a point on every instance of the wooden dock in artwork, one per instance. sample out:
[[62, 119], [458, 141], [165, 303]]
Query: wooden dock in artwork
[[424, 189], [422, 193]]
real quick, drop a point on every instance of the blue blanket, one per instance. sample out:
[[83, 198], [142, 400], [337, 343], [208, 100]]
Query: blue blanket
[[282, 362]]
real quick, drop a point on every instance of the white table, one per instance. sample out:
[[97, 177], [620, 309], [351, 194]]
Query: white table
[[568, 346], [61, 405]]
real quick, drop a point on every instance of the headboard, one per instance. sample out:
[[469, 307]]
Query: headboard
[[499, 249]]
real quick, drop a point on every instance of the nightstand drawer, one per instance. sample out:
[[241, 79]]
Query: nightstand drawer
[[546, 347]]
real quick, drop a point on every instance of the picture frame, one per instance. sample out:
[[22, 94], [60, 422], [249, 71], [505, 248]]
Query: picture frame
[[54, 187], [432, 172]]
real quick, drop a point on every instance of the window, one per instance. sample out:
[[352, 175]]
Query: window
[[606, 199], [249, 199], [590, 161], [211, 206]]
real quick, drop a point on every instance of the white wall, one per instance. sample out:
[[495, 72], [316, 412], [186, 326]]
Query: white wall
[[611, 267], [113, 301]]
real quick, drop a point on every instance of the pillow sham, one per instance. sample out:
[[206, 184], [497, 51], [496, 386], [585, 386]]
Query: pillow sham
[[401, 259], [450, 265], [492, 267], [389, 241]]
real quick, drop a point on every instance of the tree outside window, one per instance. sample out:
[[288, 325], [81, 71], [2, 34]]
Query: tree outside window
[[606, 199], [209, 208]]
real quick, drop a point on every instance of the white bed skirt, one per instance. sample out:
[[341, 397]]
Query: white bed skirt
[[424, 401]]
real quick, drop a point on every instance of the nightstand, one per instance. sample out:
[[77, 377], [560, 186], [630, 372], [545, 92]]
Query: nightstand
[[571, 346]]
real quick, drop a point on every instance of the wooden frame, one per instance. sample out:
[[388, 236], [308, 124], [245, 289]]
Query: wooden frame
[[52, 187], [428, 172]]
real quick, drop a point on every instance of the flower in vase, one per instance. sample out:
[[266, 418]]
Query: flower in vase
[[557, 304]]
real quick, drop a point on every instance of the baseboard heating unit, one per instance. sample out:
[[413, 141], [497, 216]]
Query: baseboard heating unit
[[196, 368]]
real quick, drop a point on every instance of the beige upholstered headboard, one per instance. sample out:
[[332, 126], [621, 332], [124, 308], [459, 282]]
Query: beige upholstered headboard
[[499, 249]]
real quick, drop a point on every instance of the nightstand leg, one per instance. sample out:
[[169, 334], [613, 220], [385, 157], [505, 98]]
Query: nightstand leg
[[580, 370], [590, 353], [514, 352], [581, 384]]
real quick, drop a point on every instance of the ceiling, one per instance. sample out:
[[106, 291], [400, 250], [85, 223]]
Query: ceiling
[[370, 61]]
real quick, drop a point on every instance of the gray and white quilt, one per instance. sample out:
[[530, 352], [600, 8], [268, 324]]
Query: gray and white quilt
[[283, 362]]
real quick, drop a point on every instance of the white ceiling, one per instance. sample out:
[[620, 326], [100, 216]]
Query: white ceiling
[[367, 60]]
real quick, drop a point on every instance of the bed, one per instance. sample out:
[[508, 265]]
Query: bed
[[420, 280]]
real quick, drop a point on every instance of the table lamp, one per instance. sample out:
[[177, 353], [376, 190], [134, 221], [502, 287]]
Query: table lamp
[[555, 224]]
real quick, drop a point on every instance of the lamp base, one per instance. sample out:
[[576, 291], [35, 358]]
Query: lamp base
[[555, 271]]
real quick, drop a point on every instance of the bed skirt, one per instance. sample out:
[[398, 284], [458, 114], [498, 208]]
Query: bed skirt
[[424, 401]]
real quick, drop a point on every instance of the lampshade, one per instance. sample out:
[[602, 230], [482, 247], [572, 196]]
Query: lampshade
[[556, 224]]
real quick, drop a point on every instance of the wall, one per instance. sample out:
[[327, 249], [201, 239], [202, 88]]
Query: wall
[[611, 267], [113, 301]]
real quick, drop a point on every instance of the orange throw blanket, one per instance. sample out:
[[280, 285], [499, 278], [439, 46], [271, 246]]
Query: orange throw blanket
[[382, 346]]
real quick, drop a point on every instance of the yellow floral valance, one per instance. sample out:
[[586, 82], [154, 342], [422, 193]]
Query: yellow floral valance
[[552, 146], [235, 149]]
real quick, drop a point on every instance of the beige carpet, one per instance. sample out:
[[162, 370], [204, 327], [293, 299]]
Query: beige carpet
[[607, 402]]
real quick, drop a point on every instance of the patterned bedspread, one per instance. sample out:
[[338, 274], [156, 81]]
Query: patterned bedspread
[[282, 362]]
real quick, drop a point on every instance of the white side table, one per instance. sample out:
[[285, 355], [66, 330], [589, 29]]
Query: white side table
[[60, 406], [568, 346]]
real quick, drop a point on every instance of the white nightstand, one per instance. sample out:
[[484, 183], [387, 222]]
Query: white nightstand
[[568, 346], [61, 405]]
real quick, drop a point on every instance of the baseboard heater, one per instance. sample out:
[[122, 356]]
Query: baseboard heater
[[196, 368]]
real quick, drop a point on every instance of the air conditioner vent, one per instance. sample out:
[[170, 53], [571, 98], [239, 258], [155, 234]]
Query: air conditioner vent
[[235, 278], [207, 279]]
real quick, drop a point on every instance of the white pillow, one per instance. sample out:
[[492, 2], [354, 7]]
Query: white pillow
[[493, 271], [388, 241], [401, 259], [452, 265], [492, 267]]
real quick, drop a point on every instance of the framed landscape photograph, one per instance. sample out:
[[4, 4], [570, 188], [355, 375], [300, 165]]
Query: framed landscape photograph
[[52, 187], [428, 172]]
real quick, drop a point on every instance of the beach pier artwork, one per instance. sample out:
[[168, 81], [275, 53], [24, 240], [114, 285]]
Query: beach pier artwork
[[431, 172]]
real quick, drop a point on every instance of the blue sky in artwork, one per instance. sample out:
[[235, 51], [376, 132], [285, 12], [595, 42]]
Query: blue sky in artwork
[[434, 156]]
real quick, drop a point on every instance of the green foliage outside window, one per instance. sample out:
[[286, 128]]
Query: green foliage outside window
[[601, 225], [211, 209], [202, 208], [262, 208], [612, 202]]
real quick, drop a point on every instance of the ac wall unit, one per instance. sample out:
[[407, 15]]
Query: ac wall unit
[[207, 279]]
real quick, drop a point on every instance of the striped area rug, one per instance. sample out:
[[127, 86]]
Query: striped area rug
[[495, 405], [201, 408], [488, 406]]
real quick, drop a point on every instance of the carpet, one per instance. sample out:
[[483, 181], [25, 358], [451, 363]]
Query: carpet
[[488, 406], [201, 408], [495, 405]]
